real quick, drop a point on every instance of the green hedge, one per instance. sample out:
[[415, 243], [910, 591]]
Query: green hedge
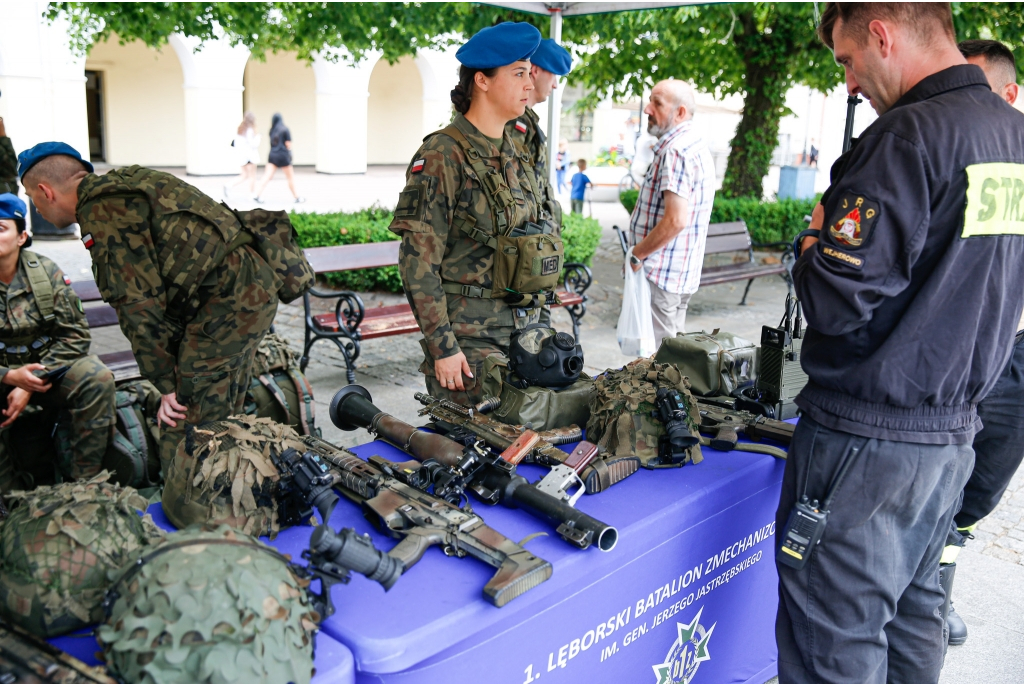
[[366, 226], [581, 237], [767, 222]]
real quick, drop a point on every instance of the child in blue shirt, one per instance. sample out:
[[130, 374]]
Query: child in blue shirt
[[580, 183]]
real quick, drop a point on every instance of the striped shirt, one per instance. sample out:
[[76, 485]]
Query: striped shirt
[[683, 165]]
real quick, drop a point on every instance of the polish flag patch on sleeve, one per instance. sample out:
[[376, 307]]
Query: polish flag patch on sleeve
[[67, 281], [88, 241], [521, 127], [417, 166]]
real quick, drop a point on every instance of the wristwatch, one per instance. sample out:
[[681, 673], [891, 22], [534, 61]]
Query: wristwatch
[[634, 260], [806, 233]]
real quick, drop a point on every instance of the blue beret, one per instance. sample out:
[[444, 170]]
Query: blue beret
[[552, 57], [11, 207], [29, 158], [499, 45]]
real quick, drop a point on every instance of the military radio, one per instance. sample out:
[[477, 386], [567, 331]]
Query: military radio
[[780, 377]]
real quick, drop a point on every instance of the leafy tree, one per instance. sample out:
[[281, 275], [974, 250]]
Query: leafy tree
[[353, 28], [756, 50]]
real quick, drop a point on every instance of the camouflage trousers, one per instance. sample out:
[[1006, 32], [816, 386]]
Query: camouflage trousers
[[217, 350], [28, 456]]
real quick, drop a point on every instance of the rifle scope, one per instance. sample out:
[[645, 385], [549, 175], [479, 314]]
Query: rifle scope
[[354, 552]]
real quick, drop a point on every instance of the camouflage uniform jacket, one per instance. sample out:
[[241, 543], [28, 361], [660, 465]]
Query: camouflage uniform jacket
[[151, 238], [442, 197], [533, 142], [21, 321], [8, 167]]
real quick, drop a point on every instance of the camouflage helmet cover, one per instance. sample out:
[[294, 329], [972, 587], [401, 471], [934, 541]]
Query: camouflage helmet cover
[[58, 546], [210, 605]]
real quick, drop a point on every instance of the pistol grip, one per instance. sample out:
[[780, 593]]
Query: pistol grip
[[519, 572], [581, 456], [411, 548], [725, 439]]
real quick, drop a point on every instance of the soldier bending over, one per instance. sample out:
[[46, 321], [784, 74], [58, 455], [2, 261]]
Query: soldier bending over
[[191, 295]]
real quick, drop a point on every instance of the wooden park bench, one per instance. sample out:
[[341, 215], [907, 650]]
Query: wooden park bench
[[352, 322], [734, 237]]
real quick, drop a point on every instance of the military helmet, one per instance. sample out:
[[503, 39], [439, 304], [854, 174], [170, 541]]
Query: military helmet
[[623, 412], [209, 605], [223, 472], [57, 547]]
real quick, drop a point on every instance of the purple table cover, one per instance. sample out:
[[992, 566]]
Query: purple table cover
[[688, 594]]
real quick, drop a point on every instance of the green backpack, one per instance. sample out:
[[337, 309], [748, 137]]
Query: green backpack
[[715, 363], [275, 240], [133, 457], [542, 408], [278, 389]]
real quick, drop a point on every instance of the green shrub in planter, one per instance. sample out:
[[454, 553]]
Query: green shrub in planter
[[768, 222], [581, 236], [628, 199]]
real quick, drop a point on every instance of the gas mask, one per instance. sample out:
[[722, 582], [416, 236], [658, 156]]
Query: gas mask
[[540, 356]]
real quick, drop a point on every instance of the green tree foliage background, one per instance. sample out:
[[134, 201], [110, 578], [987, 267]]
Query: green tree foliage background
[[757, 50]]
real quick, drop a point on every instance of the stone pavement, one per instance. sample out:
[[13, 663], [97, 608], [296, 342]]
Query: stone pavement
[[989, 590]]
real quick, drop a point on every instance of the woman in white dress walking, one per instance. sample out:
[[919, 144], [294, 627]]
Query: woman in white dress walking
[[247, 147]]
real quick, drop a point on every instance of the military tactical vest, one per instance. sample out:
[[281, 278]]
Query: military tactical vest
[[539, 182], [186, 253], [526, 264], [18, 350]]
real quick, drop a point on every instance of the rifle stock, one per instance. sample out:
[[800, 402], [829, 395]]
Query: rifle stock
[[724, 424]]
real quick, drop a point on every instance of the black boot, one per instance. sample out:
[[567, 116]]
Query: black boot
[[954, 626]]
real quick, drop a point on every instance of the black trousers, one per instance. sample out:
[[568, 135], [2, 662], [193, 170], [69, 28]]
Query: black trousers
[[866, 606], [999, 446]]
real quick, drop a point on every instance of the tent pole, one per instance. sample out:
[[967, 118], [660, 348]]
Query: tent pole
[[555, 104]]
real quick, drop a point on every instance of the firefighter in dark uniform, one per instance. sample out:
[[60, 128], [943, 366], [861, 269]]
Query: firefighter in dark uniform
[[912, 291]]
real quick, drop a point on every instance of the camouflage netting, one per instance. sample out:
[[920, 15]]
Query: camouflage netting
[[273, 354], [620, 410], [223, 473], [211, 606], [57, 547]]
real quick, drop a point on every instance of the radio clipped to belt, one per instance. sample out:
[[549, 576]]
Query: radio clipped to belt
[[528, 257]]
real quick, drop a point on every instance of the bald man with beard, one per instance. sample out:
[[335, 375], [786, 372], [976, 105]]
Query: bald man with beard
[[669, 226]]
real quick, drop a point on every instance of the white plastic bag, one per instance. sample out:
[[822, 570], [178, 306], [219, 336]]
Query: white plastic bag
[[636, 325]]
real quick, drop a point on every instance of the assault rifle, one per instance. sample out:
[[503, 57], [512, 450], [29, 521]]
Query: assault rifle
[[24, 658], [450, 469], [419, 520], [459, 421], [719, 418]]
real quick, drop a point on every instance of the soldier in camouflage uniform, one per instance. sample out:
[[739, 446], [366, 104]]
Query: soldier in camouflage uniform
[[549, 62], [42, 326], [467, 184], [191, 295], [8, 163]]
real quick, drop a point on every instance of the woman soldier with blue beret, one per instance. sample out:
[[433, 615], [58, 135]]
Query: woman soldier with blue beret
[[43, 329], [479, 255]]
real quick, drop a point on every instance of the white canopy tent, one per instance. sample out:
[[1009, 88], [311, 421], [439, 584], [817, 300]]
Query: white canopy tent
[[557, 10]]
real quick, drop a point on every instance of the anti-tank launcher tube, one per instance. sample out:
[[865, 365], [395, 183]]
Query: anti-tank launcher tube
[[488, 476]]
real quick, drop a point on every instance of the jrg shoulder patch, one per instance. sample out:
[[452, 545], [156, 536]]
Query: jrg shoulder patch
[[853, 220], [995, 192]]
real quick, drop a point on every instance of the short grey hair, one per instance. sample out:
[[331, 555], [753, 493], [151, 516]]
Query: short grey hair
[[681, 93]]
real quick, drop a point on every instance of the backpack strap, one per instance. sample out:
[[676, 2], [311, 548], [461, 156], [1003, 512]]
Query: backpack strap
[[307, 412], [133, 445], [496, 190], [39, 282]]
